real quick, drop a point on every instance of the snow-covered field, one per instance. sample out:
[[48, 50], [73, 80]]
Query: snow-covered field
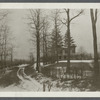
[[72, 61], [28, 83], [22, 65], [85, 61]]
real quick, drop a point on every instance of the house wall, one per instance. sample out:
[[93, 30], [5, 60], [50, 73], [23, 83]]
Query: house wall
[[62, 54]]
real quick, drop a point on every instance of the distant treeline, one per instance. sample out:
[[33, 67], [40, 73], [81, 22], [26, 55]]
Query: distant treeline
[[10, 64]]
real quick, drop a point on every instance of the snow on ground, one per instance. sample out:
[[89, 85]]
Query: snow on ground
[[22, 65], [27, 82], [80, 61], [31, 84], [85, 61], [73, 61], [41, 63], [23, 86], [12, 88], [57, 85]]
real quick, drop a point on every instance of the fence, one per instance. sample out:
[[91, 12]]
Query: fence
[[60, 72]]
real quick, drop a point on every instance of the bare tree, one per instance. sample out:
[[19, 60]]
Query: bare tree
[[6, 41], [3, 16], [45, 43], [67, 21], [1, 43], [36, 24], [56, 32], [93, 15], [11, 53]]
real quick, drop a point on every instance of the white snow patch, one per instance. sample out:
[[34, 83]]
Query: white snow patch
[[41, 63], [27, 82], [22, 65], [12, 88], [85, 61]]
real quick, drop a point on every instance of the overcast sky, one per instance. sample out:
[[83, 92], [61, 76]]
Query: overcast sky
[[81, 31]]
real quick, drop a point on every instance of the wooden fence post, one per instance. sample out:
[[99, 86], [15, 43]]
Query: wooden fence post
[[73, 73], [44, 86], [81, 73]]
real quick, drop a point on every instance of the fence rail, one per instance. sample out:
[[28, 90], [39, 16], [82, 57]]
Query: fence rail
[[60, 72]]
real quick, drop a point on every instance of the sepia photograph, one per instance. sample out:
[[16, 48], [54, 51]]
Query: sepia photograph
[[49, 49]]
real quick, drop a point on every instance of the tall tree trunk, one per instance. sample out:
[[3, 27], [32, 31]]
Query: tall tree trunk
[[46, 51], [11, 56], [1, 60], [67, 23], [38, 42], [56, 39], [43, 49], [96, 63], [56, 51], [68, 32], [5, 52], [38, 52]]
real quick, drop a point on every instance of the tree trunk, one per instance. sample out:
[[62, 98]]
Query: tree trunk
[[56, 40], [96, 63], [11, 56], [43, 49], [1, 60], [38, 52], [68, 54], [38, 42], [46, 51], [5, 54]]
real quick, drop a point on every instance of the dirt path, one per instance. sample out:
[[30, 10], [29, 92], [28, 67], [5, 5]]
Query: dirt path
[[27, 82]]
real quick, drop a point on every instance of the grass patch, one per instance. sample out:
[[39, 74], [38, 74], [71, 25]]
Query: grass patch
[[10, 78], [30, 71]]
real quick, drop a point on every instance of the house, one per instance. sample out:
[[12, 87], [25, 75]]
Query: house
[[63, 52]]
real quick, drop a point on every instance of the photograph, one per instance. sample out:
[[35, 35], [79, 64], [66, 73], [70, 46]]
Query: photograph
[[51, 48]]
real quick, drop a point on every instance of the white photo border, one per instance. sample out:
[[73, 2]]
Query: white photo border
[[49, 6]]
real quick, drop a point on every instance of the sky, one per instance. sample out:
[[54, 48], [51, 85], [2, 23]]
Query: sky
[[81, 31], [18, 25]]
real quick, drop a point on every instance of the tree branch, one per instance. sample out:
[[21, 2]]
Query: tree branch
[[92, 15], [3, 15], [66, 10], [63, 22], [76, 15], [95, 15]]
